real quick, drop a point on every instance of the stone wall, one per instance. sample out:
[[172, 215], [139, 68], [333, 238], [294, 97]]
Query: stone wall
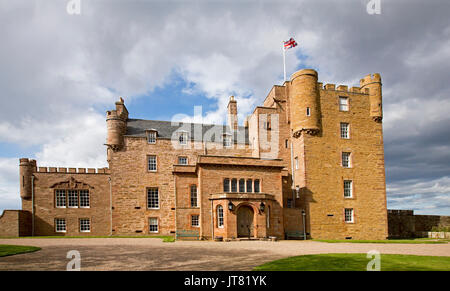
[[14, 223], [404, 224]]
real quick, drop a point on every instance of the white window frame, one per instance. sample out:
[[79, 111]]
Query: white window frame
[[69, 192], [350, 215], [58, 198], [296, 163], [83, 223], [183, 138], [180, 158], [308, 111], [227, 141], [348, 188], [348, 159], [151, 200], [60, 222], [193, 195], [197, 220], [150, 224], [343, 106], [88, 200], [220, 218], [345, 130], [152, 135], [155, 163]]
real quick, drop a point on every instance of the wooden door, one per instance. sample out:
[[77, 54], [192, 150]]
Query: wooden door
[[245, 221]]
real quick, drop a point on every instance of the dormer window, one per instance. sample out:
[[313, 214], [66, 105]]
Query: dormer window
[[183, 138], [151, 136], [227, 140]]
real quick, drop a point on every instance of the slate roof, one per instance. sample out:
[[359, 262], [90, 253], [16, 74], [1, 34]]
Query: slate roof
[[165, 129]]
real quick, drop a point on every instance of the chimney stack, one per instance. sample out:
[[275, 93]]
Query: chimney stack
[[232, 114]]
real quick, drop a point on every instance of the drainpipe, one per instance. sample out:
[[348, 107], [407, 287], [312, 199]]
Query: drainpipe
[[293, 175], [32, 205], [110, 205], [212, 221], [176, 205]]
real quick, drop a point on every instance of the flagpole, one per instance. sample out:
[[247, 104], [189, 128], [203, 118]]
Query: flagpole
[[284, 62]]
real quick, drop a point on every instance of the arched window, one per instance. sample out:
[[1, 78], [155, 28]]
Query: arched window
[[226, 185], [220, 216]]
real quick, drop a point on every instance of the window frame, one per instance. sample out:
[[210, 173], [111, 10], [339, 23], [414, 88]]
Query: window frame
[[56, 224], [183, 157], [156, 163], [197, 220], [88, 198], [192, 199], [71, 191], [152, 136], [148, 196], [183, 138], [227, 141], [56, 198], [220, 216], [226, 185], [349, 160], [80, 224], [254, 186], [308, 111], [352, 215], [247, 183], [349, 188], [344, 127], [344, 107], [150, 224]]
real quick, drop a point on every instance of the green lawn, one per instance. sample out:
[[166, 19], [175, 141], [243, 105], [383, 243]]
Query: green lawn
[[9, 250], [357, 262], [387, 241], [165, 238]]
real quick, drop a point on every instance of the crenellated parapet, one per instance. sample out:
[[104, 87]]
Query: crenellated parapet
[[372, 83], [116, 121], [26, 169]]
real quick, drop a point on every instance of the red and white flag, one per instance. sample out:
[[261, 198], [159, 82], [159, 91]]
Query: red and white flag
[[290, 44]]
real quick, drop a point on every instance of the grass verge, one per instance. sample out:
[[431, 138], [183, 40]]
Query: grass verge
[[357, 262], [165, 238], [9, 250]]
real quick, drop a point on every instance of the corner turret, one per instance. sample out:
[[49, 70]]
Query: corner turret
[[116, 121], [373, 83], [26, 170], [305, 104]]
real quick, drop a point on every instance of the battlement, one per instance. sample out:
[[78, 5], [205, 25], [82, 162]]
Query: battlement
[[73, 170], [120, 112], [369, 79], [343, 88]]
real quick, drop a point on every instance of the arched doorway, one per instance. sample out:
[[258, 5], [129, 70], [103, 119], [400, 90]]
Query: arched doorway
[[245, 221]]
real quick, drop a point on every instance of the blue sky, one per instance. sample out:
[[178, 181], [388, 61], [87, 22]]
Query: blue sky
[[59, 73]]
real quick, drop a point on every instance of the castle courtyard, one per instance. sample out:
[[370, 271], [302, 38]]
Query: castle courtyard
[[153, 254]]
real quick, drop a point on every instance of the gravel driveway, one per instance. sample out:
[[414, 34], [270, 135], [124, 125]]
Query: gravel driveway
[[153, 254]]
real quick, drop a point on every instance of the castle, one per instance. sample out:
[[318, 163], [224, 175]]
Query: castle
[[309, 161]]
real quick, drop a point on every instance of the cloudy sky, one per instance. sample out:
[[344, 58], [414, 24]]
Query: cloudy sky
[[59, 73]]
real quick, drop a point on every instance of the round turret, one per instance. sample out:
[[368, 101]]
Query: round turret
[[26, 168], [116, 128], [304, 102], [373, 83]]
